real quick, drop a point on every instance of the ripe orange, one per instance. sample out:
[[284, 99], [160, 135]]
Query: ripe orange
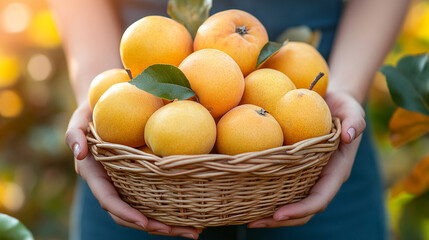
[[215, 78], [121, 113], [235, 32], [154, 39]]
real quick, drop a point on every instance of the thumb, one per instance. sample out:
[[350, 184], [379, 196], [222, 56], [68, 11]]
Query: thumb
[[75, 136], [353, 125]]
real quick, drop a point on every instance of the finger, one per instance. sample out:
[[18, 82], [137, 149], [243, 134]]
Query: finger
[[352, 127], [123, 223], [353, 122], [76, 131], [99, 183], [271, 223], [186, 232], [320, 195], [152, 226]]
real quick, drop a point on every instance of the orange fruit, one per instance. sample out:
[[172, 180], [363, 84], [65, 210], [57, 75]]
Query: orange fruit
[[121, 113], [152, 40], [215, 78], [181, 127], [264, 87], [301, 62], [302, 114], [247, 128], [104, 81], [235, 32]]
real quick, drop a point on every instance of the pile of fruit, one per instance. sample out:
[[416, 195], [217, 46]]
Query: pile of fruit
[[222, 92]]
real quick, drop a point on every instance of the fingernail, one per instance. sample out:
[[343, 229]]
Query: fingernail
[[259, 225], [188, 235], [351, 133], [163, 231], [282, 218], [141, 224], [76, 150]]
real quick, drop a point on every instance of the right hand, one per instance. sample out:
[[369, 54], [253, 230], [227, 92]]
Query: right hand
[[101, 186]]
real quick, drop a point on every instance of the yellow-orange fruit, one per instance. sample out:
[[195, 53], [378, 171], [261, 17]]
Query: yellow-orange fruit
[[146, 149], [301, 62], [104, 81], [264, 87], [302, 114], [247, 128], [235, 32], [152, 40], [215, 78], [181, 127], [121, 113]]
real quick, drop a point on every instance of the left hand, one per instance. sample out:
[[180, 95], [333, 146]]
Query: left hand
[[334, 174]]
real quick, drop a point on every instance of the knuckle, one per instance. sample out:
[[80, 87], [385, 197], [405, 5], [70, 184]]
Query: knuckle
[[67, 136], [347, 176], [103, 206]]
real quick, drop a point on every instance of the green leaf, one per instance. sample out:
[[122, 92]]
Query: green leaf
[[191, 13], [414, 221], [409, 83], [416, 69], [12, 229], [164, 81], [269, 49], [301, 34]]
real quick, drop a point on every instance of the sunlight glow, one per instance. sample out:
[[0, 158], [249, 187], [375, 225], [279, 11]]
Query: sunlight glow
[[10, 104], [15, 17], [11, 196], [39, 67], [9, 70]]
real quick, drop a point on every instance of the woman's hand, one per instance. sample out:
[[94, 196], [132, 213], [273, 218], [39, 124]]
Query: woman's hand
[[101, 186], [334, 174]]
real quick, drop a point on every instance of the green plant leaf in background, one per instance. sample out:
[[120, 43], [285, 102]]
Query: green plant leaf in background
[[191, 13], [12, 229], [414, 222], [164, 81], [409, 83], [301, 34], [269, 49]]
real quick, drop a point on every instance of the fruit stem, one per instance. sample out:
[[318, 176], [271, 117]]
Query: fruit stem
[[241, 30], [318, 77], [262, 112], [129, 73]]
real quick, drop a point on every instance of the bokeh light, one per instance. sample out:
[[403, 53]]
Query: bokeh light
[[11, 196], [9, 70], [42, 31], [10, 104], [39, 67], [15, 17]]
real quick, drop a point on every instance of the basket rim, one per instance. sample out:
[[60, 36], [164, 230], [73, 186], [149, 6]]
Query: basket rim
[[332, 138]]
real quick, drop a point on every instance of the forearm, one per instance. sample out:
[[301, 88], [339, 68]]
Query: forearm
[[366, 33], [90, 33]]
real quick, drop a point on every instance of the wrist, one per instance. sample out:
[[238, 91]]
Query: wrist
[[358, 96]]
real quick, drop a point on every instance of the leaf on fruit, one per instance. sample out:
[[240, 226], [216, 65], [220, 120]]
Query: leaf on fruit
[[269, 49], [12, 229], [191, 13], [164, 81], [301, 34], [406, 126], [409, 83], [414, 220]]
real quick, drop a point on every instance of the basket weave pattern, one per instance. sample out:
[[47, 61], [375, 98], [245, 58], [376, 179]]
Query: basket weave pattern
[[214, 189]]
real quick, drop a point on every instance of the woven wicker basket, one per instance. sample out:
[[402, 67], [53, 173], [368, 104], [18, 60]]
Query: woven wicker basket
[[214, 189]]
